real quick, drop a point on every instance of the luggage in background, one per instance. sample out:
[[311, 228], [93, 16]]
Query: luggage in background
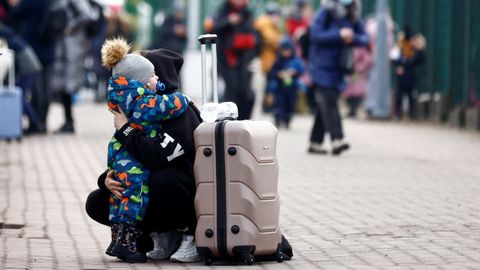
[[11, 109], [236, 175]]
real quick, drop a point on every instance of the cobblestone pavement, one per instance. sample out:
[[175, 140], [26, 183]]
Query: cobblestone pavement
[[406, 196]]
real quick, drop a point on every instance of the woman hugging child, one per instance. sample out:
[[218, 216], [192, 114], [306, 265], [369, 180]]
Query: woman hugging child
[[133, 90]]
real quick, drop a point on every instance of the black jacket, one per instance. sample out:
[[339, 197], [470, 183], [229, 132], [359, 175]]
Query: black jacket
[[166, 37], [226, 33], [408, 79], [174, 150], [27, 16]]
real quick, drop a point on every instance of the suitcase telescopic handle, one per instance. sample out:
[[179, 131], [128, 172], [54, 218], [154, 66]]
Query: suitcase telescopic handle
[[204, 40], [11, 73], [11, 70]]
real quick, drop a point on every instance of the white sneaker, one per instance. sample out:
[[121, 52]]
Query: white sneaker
[[164, 244], [187, 252], [338, 146], [317, 148]]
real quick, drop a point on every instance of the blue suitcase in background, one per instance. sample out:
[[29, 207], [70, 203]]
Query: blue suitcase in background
[[11, 105]]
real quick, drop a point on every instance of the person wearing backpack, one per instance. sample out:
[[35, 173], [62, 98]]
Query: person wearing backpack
[[335, 29], [70, 52]]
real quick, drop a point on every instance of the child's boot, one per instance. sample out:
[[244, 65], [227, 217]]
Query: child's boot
[[126, 246], [115, 227]]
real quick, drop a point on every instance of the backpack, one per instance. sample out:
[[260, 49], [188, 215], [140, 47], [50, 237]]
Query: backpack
[[55, 19]]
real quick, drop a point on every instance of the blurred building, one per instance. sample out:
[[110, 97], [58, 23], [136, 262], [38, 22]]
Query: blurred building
[[449, 80]]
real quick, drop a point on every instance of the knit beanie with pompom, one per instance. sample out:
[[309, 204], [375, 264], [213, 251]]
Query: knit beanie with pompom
[[133, 66]]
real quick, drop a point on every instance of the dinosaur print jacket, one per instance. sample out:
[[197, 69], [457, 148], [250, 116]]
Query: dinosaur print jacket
[[145, 109]]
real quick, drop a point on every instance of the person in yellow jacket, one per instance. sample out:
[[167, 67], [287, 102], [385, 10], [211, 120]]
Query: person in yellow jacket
[[268, 28]]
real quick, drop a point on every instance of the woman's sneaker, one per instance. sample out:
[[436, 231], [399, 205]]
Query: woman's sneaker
[[164, 244], [187, 252]]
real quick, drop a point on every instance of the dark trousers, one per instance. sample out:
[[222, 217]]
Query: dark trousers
[[67, 102], [27, 83], [238, 89], [171, 206], [41, 95], [399, 94], [353, 104], [285, 104], [327, 118]]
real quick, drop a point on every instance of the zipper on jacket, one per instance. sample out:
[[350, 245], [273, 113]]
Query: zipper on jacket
[[221, 189]]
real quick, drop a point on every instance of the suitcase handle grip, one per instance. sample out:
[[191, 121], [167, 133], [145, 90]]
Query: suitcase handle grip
[[207, 38], [204, 40]]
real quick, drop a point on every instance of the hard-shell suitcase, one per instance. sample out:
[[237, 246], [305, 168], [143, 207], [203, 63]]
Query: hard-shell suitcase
[[11, 109], [236, 175]]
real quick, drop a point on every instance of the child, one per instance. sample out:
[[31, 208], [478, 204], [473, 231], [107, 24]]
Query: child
[[411, 56], [284, 81], [132, 89]]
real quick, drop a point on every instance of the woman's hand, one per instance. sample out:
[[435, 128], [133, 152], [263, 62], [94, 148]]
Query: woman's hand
[[113, 185], [119, 118]]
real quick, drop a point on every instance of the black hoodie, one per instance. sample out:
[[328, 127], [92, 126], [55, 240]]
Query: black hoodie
[[176, 147]]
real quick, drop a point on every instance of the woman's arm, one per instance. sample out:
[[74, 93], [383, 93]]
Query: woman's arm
[[106, 181], [152, 153], [360, 38]]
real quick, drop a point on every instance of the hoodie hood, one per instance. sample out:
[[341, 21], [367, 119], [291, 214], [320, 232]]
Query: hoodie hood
[[122, 91], [167, 67], [287, 43]]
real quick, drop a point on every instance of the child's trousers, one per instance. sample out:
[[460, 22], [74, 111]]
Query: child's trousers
[[130, 209]]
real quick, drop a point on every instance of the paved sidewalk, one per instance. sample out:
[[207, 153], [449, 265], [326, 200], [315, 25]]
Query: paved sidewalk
[[406, 196]]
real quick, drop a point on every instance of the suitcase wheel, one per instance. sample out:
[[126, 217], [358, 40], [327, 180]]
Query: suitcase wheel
[[208, 261], [280, 256], [248, 259]]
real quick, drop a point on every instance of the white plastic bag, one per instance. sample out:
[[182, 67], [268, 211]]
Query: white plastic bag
[[212, 112], [6, 59]]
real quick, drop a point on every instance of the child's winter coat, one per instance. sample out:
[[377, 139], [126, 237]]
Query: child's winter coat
[[285, 89], [145, 110]]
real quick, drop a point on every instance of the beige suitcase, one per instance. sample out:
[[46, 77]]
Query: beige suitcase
[[237, 202]]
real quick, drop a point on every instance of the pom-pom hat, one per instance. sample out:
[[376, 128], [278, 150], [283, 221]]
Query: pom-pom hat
[[133, 66]]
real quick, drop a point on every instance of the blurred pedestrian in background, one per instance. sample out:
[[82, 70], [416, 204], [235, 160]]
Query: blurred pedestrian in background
[[284, 82], [268, 28], [336, 28], [410, 55], [70, 51], [97, 75], [233, 22], [298, 18], [30, 20], [172, 34], [118, 23], [357, 82], [297, 26]]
